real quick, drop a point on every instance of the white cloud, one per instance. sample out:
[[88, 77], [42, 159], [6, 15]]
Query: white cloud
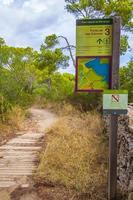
[[27, 22], [6, 2], [35, 5]]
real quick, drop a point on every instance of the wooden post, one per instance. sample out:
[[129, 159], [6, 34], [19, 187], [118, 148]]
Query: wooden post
[[112, 179]]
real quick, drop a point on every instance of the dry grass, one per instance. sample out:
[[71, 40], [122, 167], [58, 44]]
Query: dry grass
[[13, 122], [5, 133], [15, 117], [62, 109], [75, 155]]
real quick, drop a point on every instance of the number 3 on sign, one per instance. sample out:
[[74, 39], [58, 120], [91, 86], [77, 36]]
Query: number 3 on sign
[[107, 31]]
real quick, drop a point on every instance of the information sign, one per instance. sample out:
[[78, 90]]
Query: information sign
[[93, 54], [115, 102]]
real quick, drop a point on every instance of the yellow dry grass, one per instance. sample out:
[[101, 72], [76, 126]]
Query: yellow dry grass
[[15, 117], [13, 122], [75, 155], [6, 132]]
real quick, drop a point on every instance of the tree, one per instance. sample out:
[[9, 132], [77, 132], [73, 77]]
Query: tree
[[124, 46], [53, 40], [102, 8], [18, 73], [84, 8], [2, 42], [61, 87], [68, 47], [50, 57]]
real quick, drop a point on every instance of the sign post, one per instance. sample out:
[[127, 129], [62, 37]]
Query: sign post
[[97, 69], [112, 176]]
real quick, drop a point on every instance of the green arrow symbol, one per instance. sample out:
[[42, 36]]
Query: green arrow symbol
[[99, 41]]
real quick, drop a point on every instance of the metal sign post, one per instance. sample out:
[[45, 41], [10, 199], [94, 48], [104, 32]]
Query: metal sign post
[[112, 179]]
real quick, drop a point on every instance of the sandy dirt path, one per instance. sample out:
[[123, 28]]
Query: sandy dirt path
[[18, 157]]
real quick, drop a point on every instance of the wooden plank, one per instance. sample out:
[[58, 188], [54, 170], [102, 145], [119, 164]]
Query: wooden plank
[[32, 148]]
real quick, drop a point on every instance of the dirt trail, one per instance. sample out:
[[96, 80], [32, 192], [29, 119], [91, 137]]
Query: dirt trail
[[18, 157]]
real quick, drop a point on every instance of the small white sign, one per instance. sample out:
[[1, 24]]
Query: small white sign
[[115, 101]]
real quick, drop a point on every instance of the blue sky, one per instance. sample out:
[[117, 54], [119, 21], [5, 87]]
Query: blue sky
[[27, 22]]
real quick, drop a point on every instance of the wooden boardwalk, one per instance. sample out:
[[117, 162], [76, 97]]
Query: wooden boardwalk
[[18, 157]]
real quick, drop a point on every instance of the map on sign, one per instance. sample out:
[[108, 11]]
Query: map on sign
[[93, 73]]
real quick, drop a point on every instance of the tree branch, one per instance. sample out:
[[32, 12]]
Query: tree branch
[[69, 48]]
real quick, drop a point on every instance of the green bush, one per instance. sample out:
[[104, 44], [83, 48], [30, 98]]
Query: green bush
[[86, 101], [126, 79]]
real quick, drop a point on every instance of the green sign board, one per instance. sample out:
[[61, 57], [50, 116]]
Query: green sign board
[[115, 101], [94, 37], [93, 54]]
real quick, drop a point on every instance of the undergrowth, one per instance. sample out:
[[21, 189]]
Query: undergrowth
[[11, 122], [76, 154]]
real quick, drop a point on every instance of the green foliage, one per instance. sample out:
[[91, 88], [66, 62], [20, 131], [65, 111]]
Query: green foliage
[[62, 86], [123, 8], [5, 106], [124, 44], [57, 88], [27, 74], [24, 72], [49, 42], [51, 60], [95, 8], [2, 42], [126, 79], [17, 73], [86, 101], [84, 8]]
